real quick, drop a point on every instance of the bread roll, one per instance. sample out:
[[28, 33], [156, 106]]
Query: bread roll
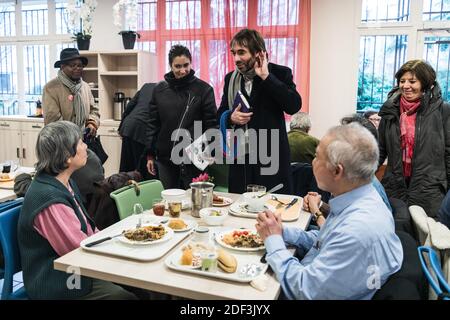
[[226, 261]]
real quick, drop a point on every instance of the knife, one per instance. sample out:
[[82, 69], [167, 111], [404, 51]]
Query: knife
[[93, 243], [291, 203]]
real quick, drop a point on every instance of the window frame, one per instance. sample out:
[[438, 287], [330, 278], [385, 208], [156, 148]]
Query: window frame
[[416, 29], [206, 33], [20, 41]]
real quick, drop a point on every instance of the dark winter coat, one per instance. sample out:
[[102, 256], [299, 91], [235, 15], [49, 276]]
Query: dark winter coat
[[135, 122], [169, 102], [269, 99], [431, 158]]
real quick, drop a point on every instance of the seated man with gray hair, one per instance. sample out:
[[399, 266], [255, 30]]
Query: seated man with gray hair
[[357, 249], [302, 145]]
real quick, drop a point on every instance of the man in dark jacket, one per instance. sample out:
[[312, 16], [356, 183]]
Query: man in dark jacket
[[270, 91], [135, 131]]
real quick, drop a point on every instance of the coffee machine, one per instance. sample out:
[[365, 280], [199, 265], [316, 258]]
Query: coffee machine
[[119, 98]]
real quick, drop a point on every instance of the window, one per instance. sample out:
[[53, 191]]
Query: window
[[34, 18], [36, 73], [436, 10], [8, 80], [147, 15], [7, 19], [237, 9], [27, 58], [61, 17], [381, 57], [400, 35], [437, 53], [182, 14], [282, 51], [149, 46], [207, 26], [287, 12], [385, 10]]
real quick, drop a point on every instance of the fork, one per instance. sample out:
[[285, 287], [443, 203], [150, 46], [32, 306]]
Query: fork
[[280, 203]]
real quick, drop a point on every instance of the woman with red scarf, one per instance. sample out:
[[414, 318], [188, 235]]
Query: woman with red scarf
[[415, 138]]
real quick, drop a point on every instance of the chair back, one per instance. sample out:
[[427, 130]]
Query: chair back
[[144, 193], [408, 283], [10, 246], [420, 217], [433, 272], [10, 204], [220, 174], [303, 181], [3, 207]]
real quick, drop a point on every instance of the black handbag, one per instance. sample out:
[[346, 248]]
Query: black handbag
[[95, 145]]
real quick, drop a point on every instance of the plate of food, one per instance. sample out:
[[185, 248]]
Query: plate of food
[[241, 240], [146, 235], [180, 225], [191, 255], [219, 201]]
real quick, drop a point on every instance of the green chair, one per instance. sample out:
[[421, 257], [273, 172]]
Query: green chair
[[220, 174], [143, 192]]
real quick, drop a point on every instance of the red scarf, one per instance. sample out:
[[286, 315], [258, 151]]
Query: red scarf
[[408, 113]]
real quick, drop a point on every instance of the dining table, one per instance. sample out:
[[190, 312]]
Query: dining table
[[7, 187], [156, 276]]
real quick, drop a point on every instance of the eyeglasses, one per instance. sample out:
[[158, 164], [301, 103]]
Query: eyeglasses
[[75, 66]]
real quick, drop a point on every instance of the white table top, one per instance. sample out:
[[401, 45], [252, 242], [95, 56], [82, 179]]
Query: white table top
[[155, 276], [6, 192]]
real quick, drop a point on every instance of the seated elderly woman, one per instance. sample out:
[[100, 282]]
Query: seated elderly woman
[[53, 220]]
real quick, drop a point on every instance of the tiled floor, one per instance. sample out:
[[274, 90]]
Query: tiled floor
[[18, 282]]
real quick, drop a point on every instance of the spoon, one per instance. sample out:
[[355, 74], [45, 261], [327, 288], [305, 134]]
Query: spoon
[[276, 188]]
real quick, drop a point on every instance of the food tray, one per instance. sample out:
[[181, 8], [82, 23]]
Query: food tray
[[243, 258], [141, 253]]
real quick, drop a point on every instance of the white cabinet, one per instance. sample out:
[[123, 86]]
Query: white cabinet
[[10, 140], [18, 141], [112, 143], [29, 132]]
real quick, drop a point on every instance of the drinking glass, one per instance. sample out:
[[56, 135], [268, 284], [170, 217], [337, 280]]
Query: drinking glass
[[158, 207], [256, 188], [138, 210], [175, 208]]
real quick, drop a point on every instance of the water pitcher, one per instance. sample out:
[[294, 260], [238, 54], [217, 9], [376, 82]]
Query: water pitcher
[[202, 196]]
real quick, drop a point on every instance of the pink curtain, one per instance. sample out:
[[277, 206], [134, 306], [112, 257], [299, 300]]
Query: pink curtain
[[207, 26]]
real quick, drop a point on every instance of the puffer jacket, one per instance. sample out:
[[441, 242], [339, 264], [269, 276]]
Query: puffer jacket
[[170, 100], [431, 158]]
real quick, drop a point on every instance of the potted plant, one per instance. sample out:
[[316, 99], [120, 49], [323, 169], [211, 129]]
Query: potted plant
[[80, 21], [125, 18]]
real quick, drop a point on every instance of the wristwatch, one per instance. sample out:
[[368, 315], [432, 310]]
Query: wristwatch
[[316, 215]]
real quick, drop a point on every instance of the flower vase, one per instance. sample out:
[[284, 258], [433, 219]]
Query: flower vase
[[128, 39], [83, 44]]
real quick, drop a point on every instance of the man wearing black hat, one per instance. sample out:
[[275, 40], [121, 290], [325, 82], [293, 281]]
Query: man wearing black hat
[[68, 97]]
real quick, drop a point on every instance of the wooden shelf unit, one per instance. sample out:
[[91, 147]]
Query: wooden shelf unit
[[118, 71]]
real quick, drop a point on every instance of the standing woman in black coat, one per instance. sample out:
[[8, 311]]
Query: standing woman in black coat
[[415, 138], [177, 102]]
